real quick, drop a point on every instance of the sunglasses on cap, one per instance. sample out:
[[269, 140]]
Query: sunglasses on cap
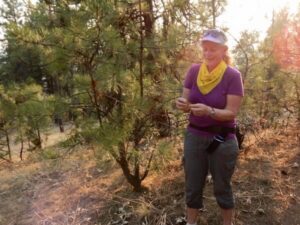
[[218, 35]]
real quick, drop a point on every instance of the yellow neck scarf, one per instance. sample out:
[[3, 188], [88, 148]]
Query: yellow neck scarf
[[207, 81]]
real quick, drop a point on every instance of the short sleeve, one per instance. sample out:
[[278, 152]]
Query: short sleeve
[[191, 76], [235, 86]]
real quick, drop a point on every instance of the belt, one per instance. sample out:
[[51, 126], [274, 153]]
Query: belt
[[214, 129], [222, 132]]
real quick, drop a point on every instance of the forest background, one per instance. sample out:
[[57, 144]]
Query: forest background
[[107, 74]]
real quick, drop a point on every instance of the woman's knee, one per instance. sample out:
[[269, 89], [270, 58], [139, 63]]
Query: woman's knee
[[225, 199]]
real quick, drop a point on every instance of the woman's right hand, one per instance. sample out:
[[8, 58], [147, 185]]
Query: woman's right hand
[[183, 104]]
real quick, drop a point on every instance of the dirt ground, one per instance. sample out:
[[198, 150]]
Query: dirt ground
[[78, 189]]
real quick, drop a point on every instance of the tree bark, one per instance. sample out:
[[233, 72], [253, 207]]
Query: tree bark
[[134, 180], [22, 147], [213, 2], [8, 145], [141, 77]]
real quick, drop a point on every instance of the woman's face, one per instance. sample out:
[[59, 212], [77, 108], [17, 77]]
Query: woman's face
[[213, 52]]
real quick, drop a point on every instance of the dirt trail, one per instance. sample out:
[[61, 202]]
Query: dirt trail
[[56, 193]]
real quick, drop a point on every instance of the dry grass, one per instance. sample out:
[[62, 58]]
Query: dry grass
[[266, 187], [67, 191], [78, 190]]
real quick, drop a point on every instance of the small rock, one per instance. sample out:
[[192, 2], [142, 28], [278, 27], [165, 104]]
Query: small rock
[[295, 165], [209, 179], [180, 220], [248, 201], [261, 211], [293, 196]]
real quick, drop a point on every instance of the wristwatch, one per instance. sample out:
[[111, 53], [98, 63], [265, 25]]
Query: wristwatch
[[212, 112]]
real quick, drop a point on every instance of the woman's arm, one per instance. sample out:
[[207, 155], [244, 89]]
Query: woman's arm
[[182, 102], [228, 113], [231, 110], [185, 93]]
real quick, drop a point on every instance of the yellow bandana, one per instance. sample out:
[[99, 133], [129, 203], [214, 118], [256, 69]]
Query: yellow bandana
[[207, 81]]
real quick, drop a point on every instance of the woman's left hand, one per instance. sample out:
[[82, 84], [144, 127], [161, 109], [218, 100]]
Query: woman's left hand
[[199, 109]]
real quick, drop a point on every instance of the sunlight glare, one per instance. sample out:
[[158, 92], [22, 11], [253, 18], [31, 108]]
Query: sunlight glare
[[252, 15]]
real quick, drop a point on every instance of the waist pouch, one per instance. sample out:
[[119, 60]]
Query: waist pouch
[[222, 133]]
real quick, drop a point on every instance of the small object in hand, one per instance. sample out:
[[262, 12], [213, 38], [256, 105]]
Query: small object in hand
[[212, 112], [182, 100]]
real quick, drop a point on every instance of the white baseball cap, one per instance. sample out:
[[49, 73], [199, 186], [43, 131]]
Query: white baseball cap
[[215, 35]]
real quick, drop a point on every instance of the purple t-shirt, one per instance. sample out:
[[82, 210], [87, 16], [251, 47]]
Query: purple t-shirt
[[231, 84]]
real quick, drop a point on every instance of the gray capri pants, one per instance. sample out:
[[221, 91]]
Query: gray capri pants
[[221, 164]]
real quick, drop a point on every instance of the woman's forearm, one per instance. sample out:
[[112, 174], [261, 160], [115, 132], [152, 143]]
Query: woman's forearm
[[221, 114], [229, 112]]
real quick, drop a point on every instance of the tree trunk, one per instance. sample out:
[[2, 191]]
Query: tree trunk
[[39, 138], [22, 147], [134, 180], [141, 81], [8, 145], [95, 98], [213, 2], [61, 125]]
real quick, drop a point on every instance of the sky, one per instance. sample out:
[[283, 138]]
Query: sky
[[252, 15], [247, 14]]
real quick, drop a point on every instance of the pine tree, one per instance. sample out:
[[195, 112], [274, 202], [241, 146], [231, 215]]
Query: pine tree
[[116, 64]]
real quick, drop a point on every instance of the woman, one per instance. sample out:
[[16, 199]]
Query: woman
[[212, 95]]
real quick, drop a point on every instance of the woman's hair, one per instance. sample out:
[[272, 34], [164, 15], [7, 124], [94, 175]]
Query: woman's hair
[[227, 58]]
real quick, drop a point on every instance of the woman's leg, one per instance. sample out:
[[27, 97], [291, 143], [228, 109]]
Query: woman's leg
[[191, 215], [227, 216], [196, 168], [222, 164]]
